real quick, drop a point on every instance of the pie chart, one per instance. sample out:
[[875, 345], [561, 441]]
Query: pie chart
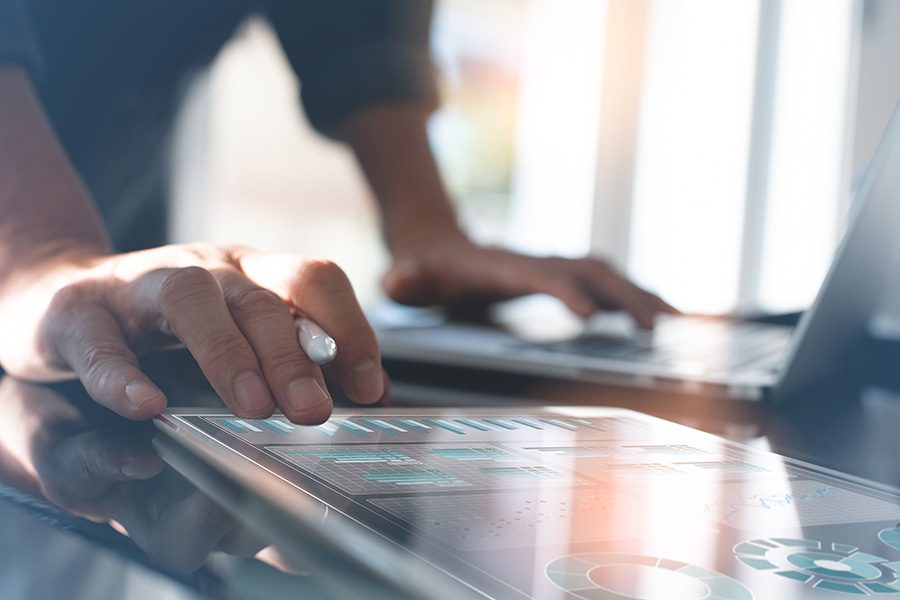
[[612, 576], [830, 567], [891, 537]]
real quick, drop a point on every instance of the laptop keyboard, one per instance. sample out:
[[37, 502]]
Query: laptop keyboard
[[687, 343]]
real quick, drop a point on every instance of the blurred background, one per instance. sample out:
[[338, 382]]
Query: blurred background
[[707, 148]]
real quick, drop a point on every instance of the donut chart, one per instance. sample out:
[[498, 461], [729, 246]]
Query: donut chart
[[830, 567], [591, 576], [890, 537]]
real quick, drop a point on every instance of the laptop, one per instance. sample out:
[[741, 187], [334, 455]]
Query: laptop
[[717, 357], [557, 503]]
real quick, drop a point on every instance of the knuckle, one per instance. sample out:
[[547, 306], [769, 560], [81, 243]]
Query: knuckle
[[98, 360], [70, 297], [236, 251], [203, 250], [601, 266], [288, 364], [254, 299], [324, 274], [561, 282], [221, 348], [186, 284]]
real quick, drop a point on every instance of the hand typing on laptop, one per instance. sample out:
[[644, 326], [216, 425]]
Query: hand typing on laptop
[[435, 262], [459, 271]]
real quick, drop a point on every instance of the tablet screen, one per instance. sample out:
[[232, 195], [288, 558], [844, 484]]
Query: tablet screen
[[586, 503]]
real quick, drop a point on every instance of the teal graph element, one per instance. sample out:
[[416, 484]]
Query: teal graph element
[[467, 454], [726, 466], [406, 428], [891, 537], [831, 567], [381, 468], [666, 449], [604, 576], [278, 426], [355, 456], [577, 451], [603, 450], [527, 472], [416, 477], [239, 425], [773, 502]]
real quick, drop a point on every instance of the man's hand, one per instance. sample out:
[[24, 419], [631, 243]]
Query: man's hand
[[450, 272], [434, 262], [232, 308]]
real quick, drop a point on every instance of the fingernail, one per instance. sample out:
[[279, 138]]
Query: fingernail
[[141, 394], [368, 381], [251, 392], [132, 469], [307, 396]]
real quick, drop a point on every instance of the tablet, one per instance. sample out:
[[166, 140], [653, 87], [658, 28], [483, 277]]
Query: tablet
[[559, 503]]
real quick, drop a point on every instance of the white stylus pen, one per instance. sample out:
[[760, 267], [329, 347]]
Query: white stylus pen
[[318, 345]]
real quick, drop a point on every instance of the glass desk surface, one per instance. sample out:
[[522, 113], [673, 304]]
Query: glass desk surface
[[603, 509]]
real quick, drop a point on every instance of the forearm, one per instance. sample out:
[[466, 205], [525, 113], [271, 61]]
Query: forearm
[[391, 144], [45, 207]]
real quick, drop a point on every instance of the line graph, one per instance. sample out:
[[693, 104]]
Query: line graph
[[799, 502]]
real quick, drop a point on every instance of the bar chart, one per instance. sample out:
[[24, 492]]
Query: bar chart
[[488, 453], [416, 477], [617, 450], [358, 428], [382, 468]]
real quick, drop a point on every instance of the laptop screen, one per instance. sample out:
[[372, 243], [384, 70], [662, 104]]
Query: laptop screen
[[586, 503]]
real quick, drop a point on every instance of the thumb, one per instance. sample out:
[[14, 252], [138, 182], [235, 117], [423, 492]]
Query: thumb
[[95, 348], [82, 468]]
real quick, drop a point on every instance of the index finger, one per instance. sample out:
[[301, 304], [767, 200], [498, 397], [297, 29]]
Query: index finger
[[190, 304], [615, 290]]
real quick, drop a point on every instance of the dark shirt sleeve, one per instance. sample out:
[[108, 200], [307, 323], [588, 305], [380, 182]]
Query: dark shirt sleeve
[[17, 43], [349, 54]]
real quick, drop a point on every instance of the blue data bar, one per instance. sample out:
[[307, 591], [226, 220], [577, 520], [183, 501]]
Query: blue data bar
[[354, 425], [475, 425], [276, 426], [246, 425], [354, 428], [528, 423], [414, 425], [447, 425], [328, 428], [383, 426], [501, 423], [229, 424], [384, 423], [561, 424]]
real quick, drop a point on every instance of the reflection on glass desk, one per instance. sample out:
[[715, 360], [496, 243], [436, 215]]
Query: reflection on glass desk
[[559, 507], [88, 511]]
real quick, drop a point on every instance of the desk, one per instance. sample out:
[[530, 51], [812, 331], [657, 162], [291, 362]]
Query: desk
[[183, 546]]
